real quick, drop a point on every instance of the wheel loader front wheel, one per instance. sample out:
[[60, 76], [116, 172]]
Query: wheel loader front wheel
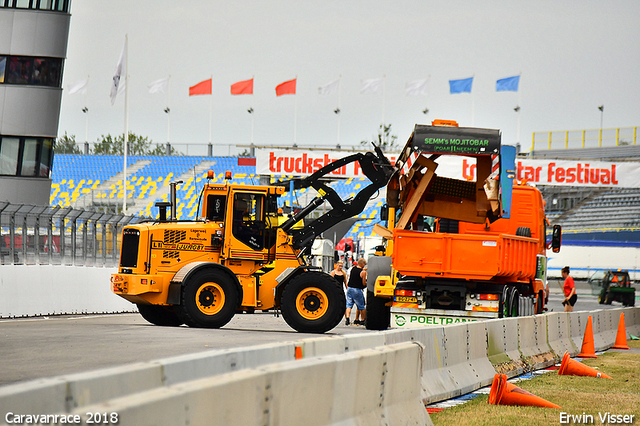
[[313, 302], [209, 300]]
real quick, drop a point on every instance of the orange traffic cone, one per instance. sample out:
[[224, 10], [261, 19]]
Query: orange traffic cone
[[621, 338], [571, 367], [588, 346], [505, 393]]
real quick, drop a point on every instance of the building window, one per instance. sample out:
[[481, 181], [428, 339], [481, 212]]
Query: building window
[[3, 65], [31, 71], [9, 151], [28, 157], [55, 5]]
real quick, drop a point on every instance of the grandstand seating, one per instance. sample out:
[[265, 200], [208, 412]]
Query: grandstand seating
[[615, 208], [98, 177]]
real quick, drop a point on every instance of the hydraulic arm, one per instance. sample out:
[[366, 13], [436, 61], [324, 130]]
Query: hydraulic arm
[[376, 167]]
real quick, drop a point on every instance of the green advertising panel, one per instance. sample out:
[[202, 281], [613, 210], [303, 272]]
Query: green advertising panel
[[456, 140]]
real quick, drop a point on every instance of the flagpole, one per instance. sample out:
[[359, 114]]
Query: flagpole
[[519, 102], [169, 111], [473, 107], [211, 109], [384, 78], [339, 92], [251, 108], [86, 126], [295, 117], [126, 119]]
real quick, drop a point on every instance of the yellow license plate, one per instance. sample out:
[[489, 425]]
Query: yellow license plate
[[406, 299]]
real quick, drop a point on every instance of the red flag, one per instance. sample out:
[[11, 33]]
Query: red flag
[[286, 88], [242, 88], [202, 88]]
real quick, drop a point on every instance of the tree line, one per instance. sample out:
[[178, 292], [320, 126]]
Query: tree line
[[110, 145], [140, 145]]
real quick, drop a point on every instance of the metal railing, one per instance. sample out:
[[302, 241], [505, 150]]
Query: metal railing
[[584, 138], [40, 235]]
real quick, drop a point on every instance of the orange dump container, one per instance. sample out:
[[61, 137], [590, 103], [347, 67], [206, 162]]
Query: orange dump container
[[464, 256]]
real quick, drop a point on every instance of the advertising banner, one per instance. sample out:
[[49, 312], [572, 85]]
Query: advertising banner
[[541, 172]]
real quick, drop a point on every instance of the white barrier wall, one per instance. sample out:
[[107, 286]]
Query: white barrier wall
[[32, 290], [376, 386]]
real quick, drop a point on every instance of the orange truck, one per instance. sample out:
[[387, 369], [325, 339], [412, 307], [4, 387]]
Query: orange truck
[[458, 250]]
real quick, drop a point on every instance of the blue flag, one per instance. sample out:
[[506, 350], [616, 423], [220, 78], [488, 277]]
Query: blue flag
[[460, 86], [509, 84]]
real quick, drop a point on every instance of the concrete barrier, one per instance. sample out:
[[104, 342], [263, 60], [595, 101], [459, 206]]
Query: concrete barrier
[[51, 289], [559, 334], [61, 394], [378, 386], [183, 368], [532, 342], [631, 320], [502, 346]]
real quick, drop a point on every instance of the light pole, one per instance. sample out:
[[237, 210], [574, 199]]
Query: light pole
[[86, 130], [601, 108]]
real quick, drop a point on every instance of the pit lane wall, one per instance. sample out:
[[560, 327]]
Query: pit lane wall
[[34, 290], [358, 379]]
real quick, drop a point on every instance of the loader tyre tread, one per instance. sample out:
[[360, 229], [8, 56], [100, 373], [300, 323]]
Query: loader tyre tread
[[159, 315], [209, 300], [378, 315], [313, 302]]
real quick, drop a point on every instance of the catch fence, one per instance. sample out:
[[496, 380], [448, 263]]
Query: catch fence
[[41, 235]]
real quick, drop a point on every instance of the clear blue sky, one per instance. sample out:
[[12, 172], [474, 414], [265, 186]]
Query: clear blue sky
[[572, 57]]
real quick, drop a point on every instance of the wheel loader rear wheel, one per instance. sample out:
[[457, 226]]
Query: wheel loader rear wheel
[[313, 302], [209, 300]]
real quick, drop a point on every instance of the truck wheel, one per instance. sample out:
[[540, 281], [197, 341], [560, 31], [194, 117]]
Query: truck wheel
[[514, 303], [503, 304], [313, 302], [209, 300], [523, 231], [539, 303], [378, 314], [159, 315]]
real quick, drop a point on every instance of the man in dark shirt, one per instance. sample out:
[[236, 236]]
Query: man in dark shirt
[[355, 293]]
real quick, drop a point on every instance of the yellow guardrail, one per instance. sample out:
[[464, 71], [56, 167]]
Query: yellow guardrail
[[564, 139]]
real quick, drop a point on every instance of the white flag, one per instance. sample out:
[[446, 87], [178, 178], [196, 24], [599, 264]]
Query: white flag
[[121, 69], [416, 87], [159, 86], [373, 85], [329, 88], [78, 87]]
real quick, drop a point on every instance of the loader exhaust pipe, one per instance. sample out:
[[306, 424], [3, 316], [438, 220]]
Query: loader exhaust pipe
[[174, 204]]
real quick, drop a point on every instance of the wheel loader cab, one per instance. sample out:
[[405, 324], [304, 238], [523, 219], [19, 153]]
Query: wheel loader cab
[[248, 219]]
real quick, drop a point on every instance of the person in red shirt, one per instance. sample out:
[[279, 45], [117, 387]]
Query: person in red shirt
[[569, 288]]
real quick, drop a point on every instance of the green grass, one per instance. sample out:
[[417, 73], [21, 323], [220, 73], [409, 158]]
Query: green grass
[[576, 395]]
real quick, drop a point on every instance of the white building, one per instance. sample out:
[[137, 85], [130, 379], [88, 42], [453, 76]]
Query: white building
[[33, 47]]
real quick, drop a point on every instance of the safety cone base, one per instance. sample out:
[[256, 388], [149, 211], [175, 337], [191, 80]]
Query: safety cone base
[[505, 393], [588, 345], [571, 367], [621, 337]]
